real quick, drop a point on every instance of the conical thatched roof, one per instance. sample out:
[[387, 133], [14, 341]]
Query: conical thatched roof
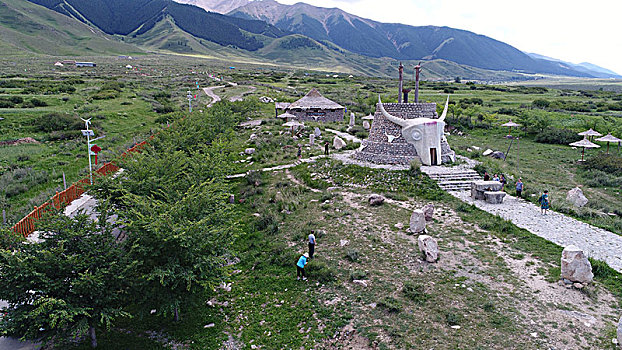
[[584, 143], [510, 124], [286, 116], [608, 138], [314, 99], [590, 133]]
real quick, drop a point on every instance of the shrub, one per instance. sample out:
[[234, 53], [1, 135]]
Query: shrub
[[453, 317], [608, 163], [415, 167], [164, 109], [540, 103], [358, 275], [557, 136], [57, 122], [415, 292], [319, 271], [352, 255], [390, 304], [37, 102]]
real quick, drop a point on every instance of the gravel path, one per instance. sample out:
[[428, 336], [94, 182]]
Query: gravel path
[[555, 227]]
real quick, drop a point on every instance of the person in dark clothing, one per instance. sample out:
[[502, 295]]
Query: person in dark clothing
[[326, 148], [519, 188], [299, 151], [311, 245], [486, 176]]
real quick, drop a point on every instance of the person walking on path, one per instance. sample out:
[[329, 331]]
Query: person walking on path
[[326, 148], [299, 151], [544, 202], [519, 188], [486, 176], [503, 182], [311, 245], [300, 266]]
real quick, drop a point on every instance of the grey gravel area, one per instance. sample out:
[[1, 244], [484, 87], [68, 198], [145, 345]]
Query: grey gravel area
[[555, 227]]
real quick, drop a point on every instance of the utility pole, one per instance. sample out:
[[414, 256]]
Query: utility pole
[[88, 133], [189, 101]]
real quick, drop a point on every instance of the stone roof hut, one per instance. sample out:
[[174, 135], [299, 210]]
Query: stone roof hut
[[315, 107]]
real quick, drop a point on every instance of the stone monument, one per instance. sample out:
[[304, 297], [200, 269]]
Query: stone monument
[[402, 132]]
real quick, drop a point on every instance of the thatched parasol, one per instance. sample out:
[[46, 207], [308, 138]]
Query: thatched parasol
[[510, 124], [369, 117], [286, 116], [590, 133], [609, 138], [293, 123], [585, 143]]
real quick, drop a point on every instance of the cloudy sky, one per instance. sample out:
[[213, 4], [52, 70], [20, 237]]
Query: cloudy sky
[[574, 31]]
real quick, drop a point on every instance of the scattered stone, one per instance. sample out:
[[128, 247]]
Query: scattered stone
[[312, 139], [375, 200], [417, 222], [266, 99], [487, 152], [619, 331], [317, 132], [576, 197], [498, 155], [534, 334], [332, 188], [429, 248], [338, 143], [209, 325], [352, 119], [475, 148], [494, 197], [575, 266], [225, 286], [153, 311], [428, 211], [360, 282], [252, 137], [344, 242], [577, 285], [455, 327], [366, 125], [249, 151], [251, 123], [399, 226]]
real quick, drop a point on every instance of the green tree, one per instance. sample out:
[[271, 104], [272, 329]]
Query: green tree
[[68, 285]]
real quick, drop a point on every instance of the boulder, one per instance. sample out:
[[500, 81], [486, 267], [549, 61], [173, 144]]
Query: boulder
[[366, 125], [338, 143], [375, 200], [312, 139], [317, 132], [575, 266], [252, 137], [487, 152], [620, 331], [417, 221], [479, 187], [494, 197], [352, 119], [576, 197], [249, 151], [428, 247], [360, 282], [428, 211], [498, 155]]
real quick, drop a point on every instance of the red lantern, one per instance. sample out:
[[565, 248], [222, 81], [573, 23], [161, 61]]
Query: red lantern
[[95, 149]]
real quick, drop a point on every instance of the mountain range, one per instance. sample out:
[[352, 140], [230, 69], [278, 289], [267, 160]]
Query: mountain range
[[297, 35]]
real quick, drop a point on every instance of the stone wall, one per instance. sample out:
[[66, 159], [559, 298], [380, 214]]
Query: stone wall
[[324, 115]]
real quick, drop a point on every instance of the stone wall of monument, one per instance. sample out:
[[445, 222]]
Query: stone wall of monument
[[385, 144]]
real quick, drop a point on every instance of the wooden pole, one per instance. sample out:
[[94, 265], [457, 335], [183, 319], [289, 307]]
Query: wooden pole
[[64, 181]]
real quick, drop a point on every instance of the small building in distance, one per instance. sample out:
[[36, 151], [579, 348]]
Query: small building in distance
[[280, 107], [315, 107], [85, 64]]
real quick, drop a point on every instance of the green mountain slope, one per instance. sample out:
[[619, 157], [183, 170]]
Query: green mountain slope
[[27, 28]]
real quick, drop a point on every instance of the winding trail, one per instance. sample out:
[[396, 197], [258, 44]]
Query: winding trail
[[209, 91]]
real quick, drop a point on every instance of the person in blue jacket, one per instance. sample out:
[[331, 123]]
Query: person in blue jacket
[[300, 266]]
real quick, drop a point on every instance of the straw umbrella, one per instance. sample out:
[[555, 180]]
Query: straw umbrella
[[585, 143], [293, 124], [590, 133], [609, 138], [369, 117], [286, 116], [510, 124]]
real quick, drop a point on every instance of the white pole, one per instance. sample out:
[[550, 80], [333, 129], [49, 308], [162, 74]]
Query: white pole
[[88, 149]]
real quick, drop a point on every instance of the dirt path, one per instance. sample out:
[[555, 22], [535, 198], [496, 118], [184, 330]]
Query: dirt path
[[209, 91]]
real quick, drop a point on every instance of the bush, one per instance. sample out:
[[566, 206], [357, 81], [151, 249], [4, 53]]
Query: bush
[[608, 163], [164, 109], [415, 292], [319, 271], [453, 317], [557, 136], [37, 102], [352, 255], [358, 275], [57, 122], [390, 304]]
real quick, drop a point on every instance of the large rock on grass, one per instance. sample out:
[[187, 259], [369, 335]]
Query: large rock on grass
[[338, 143], [575, 266], [417, 221], [576, 197], [375, 200], [620, 332], [428, 247], [428, 211]]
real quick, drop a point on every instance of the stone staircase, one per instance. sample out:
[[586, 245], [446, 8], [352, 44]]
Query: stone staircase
[[457, 180]]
